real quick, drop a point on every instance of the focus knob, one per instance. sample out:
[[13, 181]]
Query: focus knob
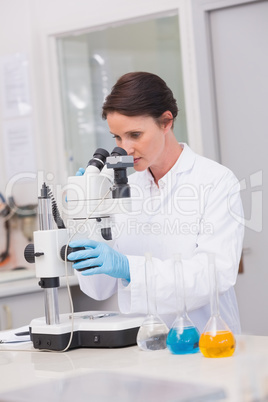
[[69, 251], [29, 253]]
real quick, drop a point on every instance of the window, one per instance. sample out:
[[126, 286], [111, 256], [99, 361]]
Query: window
[[91, 62]]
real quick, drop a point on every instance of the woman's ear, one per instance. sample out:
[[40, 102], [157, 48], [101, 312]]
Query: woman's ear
[[166, 120]]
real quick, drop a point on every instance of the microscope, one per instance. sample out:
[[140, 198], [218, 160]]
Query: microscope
[[93, 200]]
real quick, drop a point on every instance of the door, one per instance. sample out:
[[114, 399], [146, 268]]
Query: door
[[239, 38]]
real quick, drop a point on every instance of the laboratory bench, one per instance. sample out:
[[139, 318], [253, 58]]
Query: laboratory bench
[[130, 374]]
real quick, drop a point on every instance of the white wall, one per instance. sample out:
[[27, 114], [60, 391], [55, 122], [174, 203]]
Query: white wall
[[16, 37]]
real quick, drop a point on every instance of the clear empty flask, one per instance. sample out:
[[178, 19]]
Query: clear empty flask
[[183, 336], [153, 332], [217, 340]]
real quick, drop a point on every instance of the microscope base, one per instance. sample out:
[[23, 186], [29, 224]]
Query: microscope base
[[94, 329]]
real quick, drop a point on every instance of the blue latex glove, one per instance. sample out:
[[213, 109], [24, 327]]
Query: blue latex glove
[[80, 172], [109, 261]]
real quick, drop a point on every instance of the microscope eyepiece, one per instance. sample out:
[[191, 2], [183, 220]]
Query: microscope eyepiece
[[119, 161], [117, 151], [99, 158]]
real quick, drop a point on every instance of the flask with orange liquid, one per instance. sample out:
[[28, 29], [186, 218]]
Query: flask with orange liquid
[[217, 340]]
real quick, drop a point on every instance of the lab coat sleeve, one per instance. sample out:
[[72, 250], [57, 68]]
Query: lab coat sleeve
[[223, 211], [98, 287]]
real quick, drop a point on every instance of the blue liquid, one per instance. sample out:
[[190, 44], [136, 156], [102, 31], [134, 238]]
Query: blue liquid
[[185, 343]]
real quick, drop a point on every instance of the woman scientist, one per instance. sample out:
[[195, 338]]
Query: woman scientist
[[183, 204]]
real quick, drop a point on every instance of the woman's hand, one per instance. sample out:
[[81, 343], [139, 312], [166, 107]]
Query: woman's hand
[[102, 257]]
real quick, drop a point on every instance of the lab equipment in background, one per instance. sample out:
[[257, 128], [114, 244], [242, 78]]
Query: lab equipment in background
[[16, 221], [217, 340], [93, 200], [4, 213], [183, 336], [153, 332], [26, 214]]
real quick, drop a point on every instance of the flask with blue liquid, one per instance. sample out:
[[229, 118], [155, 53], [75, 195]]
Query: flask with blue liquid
[[183, 337]]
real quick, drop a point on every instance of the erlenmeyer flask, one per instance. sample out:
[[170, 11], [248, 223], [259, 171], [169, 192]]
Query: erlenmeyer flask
[[217, 340], [183, 336], [153, 332]]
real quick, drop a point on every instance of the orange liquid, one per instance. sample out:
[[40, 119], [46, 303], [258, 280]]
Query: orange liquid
[[220, 345]]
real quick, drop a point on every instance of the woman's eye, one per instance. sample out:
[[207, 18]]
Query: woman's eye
[[116, 137], [135, 135]]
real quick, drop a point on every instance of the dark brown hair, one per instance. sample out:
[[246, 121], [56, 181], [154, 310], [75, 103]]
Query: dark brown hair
[[140, 94]]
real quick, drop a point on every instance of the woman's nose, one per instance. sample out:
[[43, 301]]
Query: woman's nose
[[128, 147]]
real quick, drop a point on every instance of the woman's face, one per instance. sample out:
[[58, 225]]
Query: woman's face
[[141, 138]]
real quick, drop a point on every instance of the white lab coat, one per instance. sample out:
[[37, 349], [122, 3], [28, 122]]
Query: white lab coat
[[195, 211]]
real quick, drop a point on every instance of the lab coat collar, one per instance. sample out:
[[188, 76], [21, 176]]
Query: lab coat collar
[[184, 163]]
